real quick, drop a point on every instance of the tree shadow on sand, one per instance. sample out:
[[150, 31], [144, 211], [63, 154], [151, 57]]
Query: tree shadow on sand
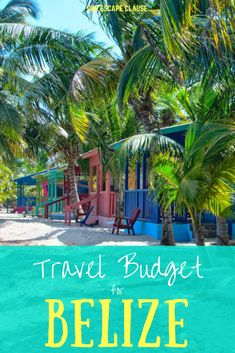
[[60, 234]]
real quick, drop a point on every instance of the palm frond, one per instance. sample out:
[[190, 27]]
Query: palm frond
[[18, 10], [139, 74], [152, 143], [80, 122], [40, 49], [96, 78]]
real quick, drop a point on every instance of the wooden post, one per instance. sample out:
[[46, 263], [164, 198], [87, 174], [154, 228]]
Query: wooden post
[[126, 183], [144, 184], [107, 184], [144, 171], [138, 175], [98, 177], [127, 174], [90, 182]]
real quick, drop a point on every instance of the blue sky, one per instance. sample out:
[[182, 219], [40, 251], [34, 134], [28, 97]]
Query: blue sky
[[67, 15]]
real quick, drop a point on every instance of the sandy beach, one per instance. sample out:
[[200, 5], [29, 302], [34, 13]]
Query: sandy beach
[[16, 230]]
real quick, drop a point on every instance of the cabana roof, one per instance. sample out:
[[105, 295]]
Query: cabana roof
[[31, 178], [27, 179], [50, 172], [169, 130], [89, 154]]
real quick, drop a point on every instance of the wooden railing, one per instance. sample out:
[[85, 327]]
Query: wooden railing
[[141, 199], [76, 206], [46, 206], [150, 210]]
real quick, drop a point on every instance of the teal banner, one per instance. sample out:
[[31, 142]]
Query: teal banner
[[117, 299]]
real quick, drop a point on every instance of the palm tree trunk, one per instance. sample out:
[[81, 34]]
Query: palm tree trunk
[[198, 230], [73, 182], [199, 233], [143, 108], [119, 199], [164, 240], [74, 196], [221, 231], [167, 228]]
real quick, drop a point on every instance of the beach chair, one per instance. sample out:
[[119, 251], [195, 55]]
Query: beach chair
[[130, 222], [83, 222]]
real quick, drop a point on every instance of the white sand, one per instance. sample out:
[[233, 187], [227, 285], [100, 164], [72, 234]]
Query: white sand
[[16, 230]]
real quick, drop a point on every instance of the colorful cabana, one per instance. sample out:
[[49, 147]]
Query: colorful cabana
[[50, 187], [53, 191], [26, 192], [136, 195], [102, 185]]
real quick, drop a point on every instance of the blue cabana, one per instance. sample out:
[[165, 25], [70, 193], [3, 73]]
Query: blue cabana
[[25, 201], [136, 195]]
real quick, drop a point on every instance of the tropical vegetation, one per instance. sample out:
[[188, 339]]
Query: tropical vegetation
[[62, 94]]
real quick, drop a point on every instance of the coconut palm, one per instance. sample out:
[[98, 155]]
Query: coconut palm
[[48, 101], [208, 100], [187, 42], [188, 176], [60, 63], [185, 39], [109, 128], [15, 11], [153, 143], [127, 32], [193, 181], [10, 127], [132, 35], [199, 29]]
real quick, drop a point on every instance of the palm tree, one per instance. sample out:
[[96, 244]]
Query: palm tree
[[188, 176], [61, 63], [222, 237], [142, 49], [128, 32], [48, 100], [202, 30], [10, 127], [192, 181], [151, 144], [43, 66], [109, 128], [15, 11], [185, 40], [64, 123]]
